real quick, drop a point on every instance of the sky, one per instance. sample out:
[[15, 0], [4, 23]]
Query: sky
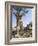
[[25, 19]]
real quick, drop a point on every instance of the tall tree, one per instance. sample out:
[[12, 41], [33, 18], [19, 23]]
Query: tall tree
[[19, 12]]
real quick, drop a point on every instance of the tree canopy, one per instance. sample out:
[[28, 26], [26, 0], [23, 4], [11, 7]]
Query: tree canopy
[[19, 10]]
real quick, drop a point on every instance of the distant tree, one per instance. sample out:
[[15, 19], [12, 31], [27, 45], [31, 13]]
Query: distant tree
[[30, 24]]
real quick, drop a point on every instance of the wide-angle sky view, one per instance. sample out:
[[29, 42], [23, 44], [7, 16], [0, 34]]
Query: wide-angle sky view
[[25, 19]]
